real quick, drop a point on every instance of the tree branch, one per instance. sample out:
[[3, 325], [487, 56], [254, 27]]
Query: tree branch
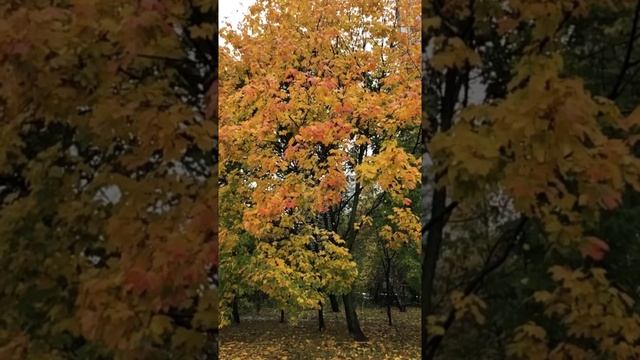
[[442, 216], [615, 92], [474, 285]]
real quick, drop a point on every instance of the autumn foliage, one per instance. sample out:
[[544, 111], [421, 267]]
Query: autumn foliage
[[561, 154], [318, 100], [107, 198]]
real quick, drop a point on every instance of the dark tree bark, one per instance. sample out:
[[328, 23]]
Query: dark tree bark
[[398, 299], [258, 303], [386, 264], [376, 291], [335, 306], [353, 325], [234, 310], [320, 318], [282, 320], [389, 297], [435, 232]]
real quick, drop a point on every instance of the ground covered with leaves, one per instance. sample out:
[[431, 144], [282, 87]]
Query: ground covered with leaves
[[264, 337]]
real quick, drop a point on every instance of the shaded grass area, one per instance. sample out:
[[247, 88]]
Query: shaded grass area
[[264, 337]]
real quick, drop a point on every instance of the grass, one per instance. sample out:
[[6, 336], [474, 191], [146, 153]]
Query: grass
[[264, 337]]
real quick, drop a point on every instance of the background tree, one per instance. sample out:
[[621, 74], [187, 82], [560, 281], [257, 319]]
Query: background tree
[[107, 198]]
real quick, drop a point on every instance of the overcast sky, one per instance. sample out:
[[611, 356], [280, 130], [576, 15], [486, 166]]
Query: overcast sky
[[233, 11]]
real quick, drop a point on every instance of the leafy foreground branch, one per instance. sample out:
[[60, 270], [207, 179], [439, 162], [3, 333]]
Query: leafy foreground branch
[[514, 116]]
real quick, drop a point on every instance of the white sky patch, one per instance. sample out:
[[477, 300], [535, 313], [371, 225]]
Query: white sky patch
[[232, 12]]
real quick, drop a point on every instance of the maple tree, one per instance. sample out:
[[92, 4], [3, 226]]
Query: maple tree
[[107, 179], [314, 111], [505, 119]]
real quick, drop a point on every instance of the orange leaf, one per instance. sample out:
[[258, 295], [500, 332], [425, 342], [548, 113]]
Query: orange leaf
[[594, 248]]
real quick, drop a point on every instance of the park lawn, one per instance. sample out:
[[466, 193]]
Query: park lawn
[[264, 337]]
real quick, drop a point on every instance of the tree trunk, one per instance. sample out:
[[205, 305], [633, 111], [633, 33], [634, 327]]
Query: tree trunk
[[258, 303], [320, 318], [376, 292], [335, 306], [282, 316], [234, 310], [389, 297], [212, 346], [432, 237], [430, 259], [401, 306], [353, 324]]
